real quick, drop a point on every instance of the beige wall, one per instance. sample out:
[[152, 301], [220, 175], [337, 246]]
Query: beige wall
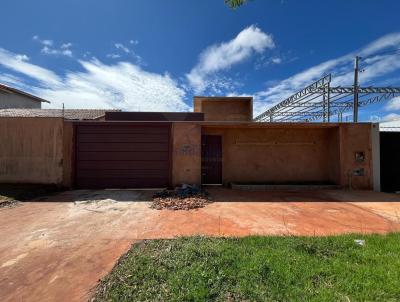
[[225, 108], [278, 155], [186, 153], [14, 100], [31, 150]]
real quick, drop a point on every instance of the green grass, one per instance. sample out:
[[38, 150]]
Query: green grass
[[257, 269], [21, 192]]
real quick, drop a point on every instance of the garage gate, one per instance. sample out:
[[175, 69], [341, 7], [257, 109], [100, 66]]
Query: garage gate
[[122, 155]]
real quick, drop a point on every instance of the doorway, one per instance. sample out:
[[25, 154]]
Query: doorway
[[211, 159]]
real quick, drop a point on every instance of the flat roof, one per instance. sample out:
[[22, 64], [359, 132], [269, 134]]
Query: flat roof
[[244, 124], [223, 97]]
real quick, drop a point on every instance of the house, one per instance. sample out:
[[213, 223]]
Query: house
[[15, 98], [218, 143], [389, 154]]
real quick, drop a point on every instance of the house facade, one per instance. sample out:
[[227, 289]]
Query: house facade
[[217, 144]]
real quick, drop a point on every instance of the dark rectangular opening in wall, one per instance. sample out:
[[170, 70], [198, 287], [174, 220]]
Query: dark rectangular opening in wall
[[390, 161], [211, 159]]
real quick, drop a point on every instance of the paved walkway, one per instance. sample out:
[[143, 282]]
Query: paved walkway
[[57, 249]]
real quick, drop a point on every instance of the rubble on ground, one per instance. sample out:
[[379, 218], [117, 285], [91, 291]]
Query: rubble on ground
[[185, 197], [8, 203]]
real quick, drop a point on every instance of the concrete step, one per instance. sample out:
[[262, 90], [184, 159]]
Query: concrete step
[[283, 187]]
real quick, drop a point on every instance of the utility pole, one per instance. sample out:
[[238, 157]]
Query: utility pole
[[329, 101], [355, 104]]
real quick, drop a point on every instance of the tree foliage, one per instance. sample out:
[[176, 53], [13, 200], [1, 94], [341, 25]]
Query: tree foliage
[[235, 3]]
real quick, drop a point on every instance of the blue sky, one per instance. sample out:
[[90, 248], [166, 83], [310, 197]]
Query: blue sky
[[155, 55]]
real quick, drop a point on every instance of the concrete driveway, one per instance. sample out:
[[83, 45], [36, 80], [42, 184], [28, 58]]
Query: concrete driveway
[[58, 248]]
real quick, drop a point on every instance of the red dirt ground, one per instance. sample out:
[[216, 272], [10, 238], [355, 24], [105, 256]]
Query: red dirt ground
[[57, 250]]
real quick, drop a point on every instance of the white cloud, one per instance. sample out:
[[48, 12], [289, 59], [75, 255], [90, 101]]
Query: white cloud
[[393, 104], [122, 85], [224, 55], [386, 41], [122, 47], [341, 68], [49, 48], [22, 57], [53, 51], [391, 117], [374, 118], [125, 50], [266, 60], [45, 42], [113, 56], [66, 45], [276, 60], [19, 64], [9, 79]]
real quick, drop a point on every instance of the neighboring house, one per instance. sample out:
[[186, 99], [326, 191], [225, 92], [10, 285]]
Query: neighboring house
[[67, 114], [392, 126], [389, 154], [15, 98]]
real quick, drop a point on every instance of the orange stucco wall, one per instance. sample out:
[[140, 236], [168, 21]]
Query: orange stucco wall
[[40, 150], [355, 138], [186, 153], [278, 153], [68, 153], [31, 150], [224, 108]]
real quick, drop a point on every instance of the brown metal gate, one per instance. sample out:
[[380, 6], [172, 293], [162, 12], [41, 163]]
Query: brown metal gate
[[122, 155]]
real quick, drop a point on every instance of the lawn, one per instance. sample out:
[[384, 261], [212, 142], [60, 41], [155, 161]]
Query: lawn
[[257, 269]]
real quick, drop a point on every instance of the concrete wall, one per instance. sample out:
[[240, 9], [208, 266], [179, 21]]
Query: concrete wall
[[31, 150], [186, 153], [279, 155], [13, 100], [225, 108]]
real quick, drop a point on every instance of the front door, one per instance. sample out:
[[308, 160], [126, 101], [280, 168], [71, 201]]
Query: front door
[[211, 159]]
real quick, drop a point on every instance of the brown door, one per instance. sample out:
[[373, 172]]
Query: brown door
[[110, 155], [211, 159]]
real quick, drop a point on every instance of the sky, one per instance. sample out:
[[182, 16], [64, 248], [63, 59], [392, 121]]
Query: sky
[[155, 55]]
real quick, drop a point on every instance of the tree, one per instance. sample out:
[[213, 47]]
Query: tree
[[235, 3]]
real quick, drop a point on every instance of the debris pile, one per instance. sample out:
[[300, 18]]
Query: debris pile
[[185, 197], [8, 203]]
